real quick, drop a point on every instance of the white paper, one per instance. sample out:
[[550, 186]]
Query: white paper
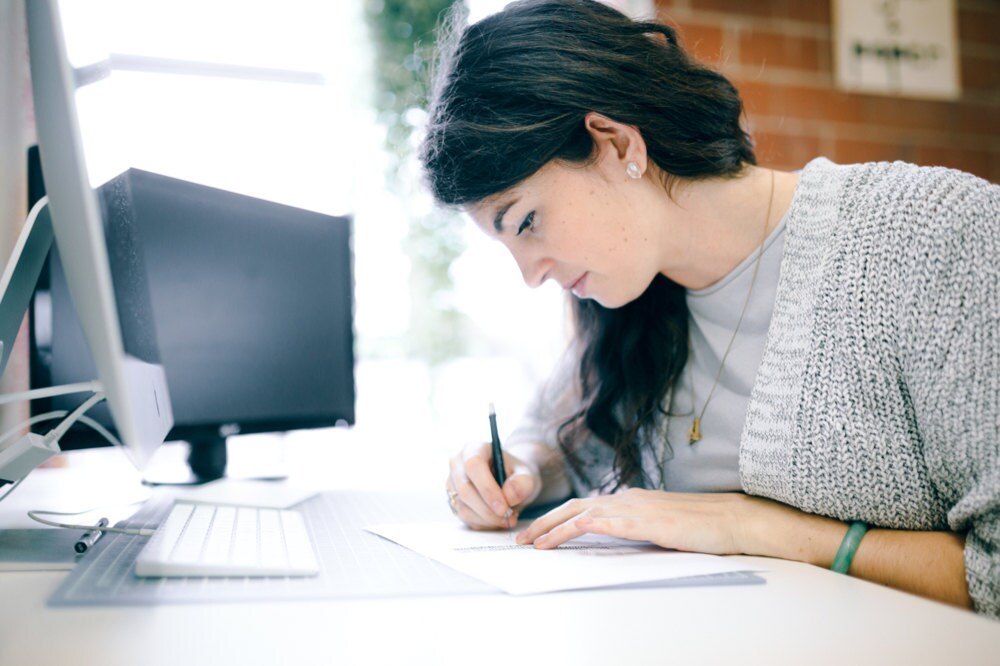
[[586, 562]]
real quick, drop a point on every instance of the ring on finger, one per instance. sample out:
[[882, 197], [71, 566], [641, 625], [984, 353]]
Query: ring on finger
[[452, 500]]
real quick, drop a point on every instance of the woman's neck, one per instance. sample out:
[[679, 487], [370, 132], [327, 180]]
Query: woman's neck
[[715, 224]]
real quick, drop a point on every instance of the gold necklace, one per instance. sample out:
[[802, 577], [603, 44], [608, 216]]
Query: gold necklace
[[694, 434]]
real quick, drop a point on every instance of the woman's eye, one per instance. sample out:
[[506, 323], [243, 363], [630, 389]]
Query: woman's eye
[[529, 222]]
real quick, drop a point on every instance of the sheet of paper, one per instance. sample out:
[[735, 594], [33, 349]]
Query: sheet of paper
[[587, 562]]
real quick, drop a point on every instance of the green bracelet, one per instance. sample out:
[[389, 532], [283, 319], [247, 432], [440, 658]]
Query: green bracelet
[[842, 562]]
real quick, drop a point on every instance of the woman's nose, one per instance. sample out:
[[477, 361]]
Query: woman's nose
[[534, 269]]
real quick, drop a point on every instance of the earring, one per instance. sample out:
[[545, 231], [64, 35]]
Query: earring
[[633, 171]]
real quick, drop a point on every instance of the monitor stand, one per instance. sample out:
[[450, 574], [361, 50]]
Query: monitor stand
[[205, 458]]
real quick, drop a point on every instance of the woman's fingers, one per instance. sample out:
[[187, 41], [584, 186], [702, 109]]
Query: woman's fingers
[[469, 505], [470, 498], [479, 500], [479, 473], [523, 484], [628, 515], [704, 523], [552, 521]]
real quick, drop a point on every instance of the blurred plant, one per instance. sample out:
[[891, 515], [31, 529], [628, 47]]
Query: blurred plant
[[404, 35]]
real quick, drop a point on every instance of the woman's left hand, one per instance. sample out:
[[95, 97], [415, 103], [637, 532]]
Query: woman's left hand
[[931, 564], [694, 522]]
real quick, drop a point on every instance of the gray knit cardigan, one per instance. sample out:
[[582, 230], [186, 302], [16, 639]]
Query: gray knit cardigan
[[878, 394]]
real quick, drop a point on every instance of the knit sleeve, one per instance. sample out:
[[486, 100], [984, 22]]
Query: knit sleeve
[[950, 352]]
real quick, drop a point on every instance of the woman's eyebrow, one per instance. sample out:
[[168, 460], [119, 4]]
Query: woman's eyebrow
[[498, 219]]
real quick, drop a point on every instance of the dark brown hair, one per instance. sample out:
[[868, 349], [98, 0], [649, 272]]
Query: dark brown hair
[[510, 95]]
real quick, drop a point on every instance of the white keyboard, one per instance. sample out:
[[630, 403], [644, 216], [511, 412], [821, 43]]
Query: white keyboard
[[211, 540]]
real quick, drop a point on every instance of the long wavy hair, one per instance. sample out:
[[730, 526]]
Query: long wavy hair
[[510, 94]]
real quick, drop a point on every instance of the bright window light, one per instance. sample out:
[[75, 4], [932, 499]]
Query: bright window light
[[275, 100]]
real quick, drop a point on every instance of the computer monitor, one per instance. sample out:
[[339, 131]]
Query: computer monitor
[[253, 302], [96, 238]]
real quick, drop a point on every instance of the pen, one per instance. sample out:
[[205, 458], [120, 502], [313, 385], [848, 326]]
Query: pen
[[90, 538], [499, 473]]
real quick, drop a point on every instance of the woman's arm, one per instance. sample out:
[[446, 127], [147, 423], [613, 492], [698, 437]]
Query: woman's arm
[[926, 563], [534, 462], [930, 564]]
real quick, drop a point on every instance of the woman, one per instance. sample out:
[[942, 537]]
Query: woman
[[764, 363]]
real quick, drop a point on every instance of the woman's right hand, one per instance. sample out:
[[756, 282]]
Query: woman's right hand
[[475, 496]]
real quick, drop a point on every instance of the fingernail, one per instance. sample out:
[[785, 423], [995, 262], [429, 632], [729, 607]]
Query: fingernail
[[522, 538], [500, 509]]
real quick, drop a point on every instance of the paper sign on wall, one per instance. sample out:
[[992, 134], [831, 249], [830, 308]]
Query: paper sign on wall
[[905, 48]]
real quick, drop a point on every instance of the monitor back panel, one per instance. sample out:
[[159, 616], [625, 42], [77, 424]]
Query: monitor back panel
[[253, 306]]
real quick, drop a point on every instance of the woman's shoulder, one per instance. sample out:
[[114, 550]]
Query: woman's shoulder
[[890, 182], [894, 197]]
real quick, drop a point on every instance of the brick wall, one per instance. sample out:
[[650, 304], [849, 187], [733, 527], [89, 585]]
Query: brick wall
[[779, 54]]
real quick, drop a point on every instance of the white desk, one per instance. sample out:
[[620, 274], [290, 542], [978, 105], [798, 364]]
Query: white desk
[[802, 615]]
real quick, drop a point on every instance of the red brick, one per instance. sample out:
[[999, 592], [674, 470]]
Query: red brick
[[979, 27], [848, 127], [908, 113], [980, 74], [973, 161], [822, 103], [785, 151], [702, 41], [849, 151], [764, 48], [815, 11], [975, 118], [757, 97]]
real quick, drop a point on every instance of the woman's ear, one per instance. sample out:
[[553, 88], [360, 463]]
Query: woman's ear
[[616, 145]]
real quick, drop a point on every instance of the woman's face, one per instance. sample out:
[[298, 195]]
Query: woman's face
[[582, 226]]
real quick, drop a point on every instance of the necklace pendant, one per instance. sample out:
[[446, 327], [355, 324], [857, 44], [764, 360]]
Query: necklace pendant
[[694, 434]]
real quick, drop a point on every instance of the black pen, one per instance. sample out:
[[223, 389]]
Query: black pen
[[90, 538], [499, 473]]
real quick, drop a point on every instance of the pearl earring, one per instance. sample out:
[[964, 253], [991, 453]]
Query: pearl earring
[[633, 171]]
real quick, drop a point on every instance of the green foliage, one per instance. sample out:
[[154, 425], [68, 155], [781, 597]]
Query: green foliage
[[403, 32]]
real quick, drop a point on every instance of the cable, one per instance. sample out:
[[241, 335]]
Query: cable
[[51, 391], [49, 416], [34, 515], [56, 433], [58, 414]]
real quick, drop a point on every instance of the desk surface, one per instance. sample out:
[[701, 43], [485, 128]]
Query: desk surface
[[802, 615]]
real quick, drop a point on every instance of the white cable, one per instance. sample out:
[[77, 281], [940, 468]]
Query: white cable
[[53, 436], [58, 414], [141, 531], [102, 431], [48, 416], [51, 391], [56, 433]]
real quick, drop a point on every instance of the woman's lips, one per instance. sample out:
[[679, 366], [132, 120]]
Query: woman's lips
[[578, 287]]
